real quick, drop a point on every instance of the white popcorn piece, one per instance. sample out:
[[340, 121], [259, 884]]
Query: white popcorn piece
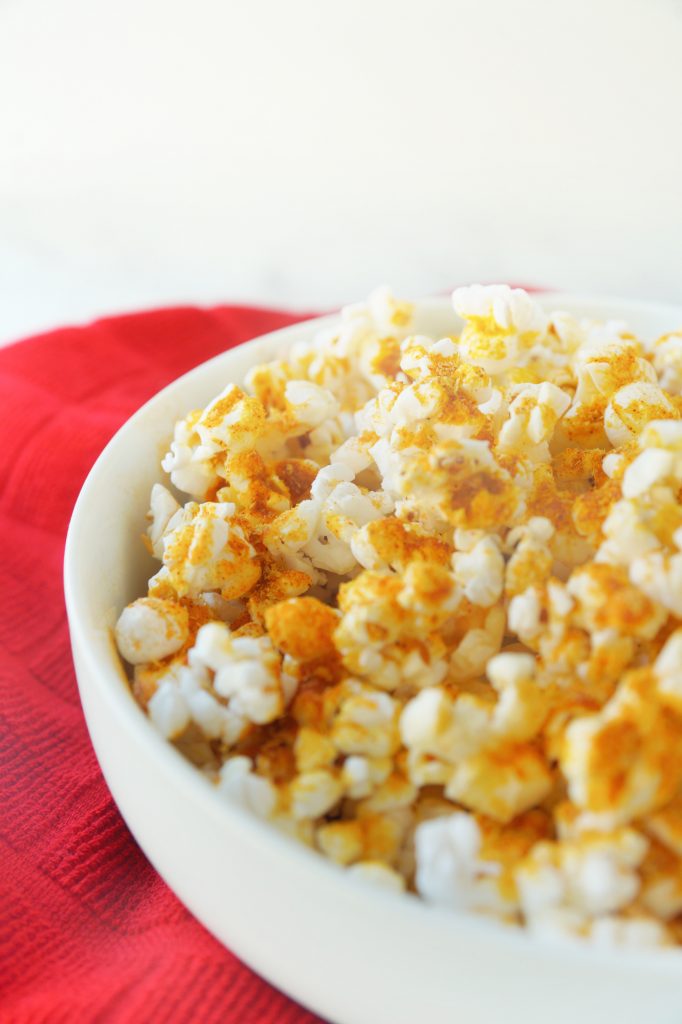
[[310, 404], [168, 710], [247, 671], [450, 872], [480, 572], [189, 471], [240, 784], [651, 467], [163, 507], [150, 629], [659, 576], [593, 876]]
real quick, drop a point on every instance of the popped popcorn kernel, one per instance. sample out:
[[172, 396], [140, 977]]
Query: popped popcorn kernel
[[419, 605], [302, 627]]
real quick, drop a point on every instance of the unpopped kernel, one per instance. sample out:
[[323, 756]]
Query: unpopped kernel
[[419, 605]]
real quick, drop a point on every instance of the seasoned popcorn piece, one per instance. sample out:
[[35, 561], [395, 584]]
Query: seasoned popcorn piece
[[605, 362], [422, 357], [632, 407], [302, 627], [591, 511], [474, 740], [659, 576], [313, 749], [624, 761], [374, 837], [185, 707], [533, 415], [577, 469], [232, 422], [205, 548], [316, 536], [500, 323], [297, 475], [275, 584], [462, 483], [257, 492], [531, 559], [150, 629], [361, 774], [314, 793], [606, 600], [391, 544], [389, 624], [366, 722], [503, 782]]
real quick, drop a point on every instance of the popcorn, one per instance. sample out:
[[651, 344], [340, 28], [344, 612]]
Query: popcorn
[[389, 624], [499, 321], [667, 360], [450, 871], [420, 608], [247, 671], [239, 783], [314, 793], [162, 508], [593, 876], [205, 548], [168, 711], [150, 629], [188, 471], [480, 572], [533, 415], [633, 406], [621, 762]]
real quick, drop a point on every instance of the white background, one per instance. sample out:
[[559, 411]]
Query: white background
[[298, 153]]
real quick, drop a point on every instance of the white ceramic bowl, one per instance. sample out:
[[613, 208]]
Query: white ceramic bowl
[[355, 954]]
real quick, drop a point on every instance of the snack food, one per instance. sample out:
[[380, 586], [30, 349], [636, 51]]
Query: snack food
[[422, 609]]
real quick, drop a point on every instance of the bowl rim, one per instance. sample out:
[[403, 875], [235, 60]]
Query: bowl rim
[[107, 680]]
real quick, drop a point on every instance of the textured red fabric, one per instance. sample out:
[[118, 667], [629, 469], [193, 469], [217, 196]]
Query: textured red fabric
[[88, 930]]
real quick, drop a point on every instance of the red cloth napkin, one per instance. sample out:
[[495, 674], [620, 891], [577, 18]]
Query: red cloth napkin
[[88, 930]]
